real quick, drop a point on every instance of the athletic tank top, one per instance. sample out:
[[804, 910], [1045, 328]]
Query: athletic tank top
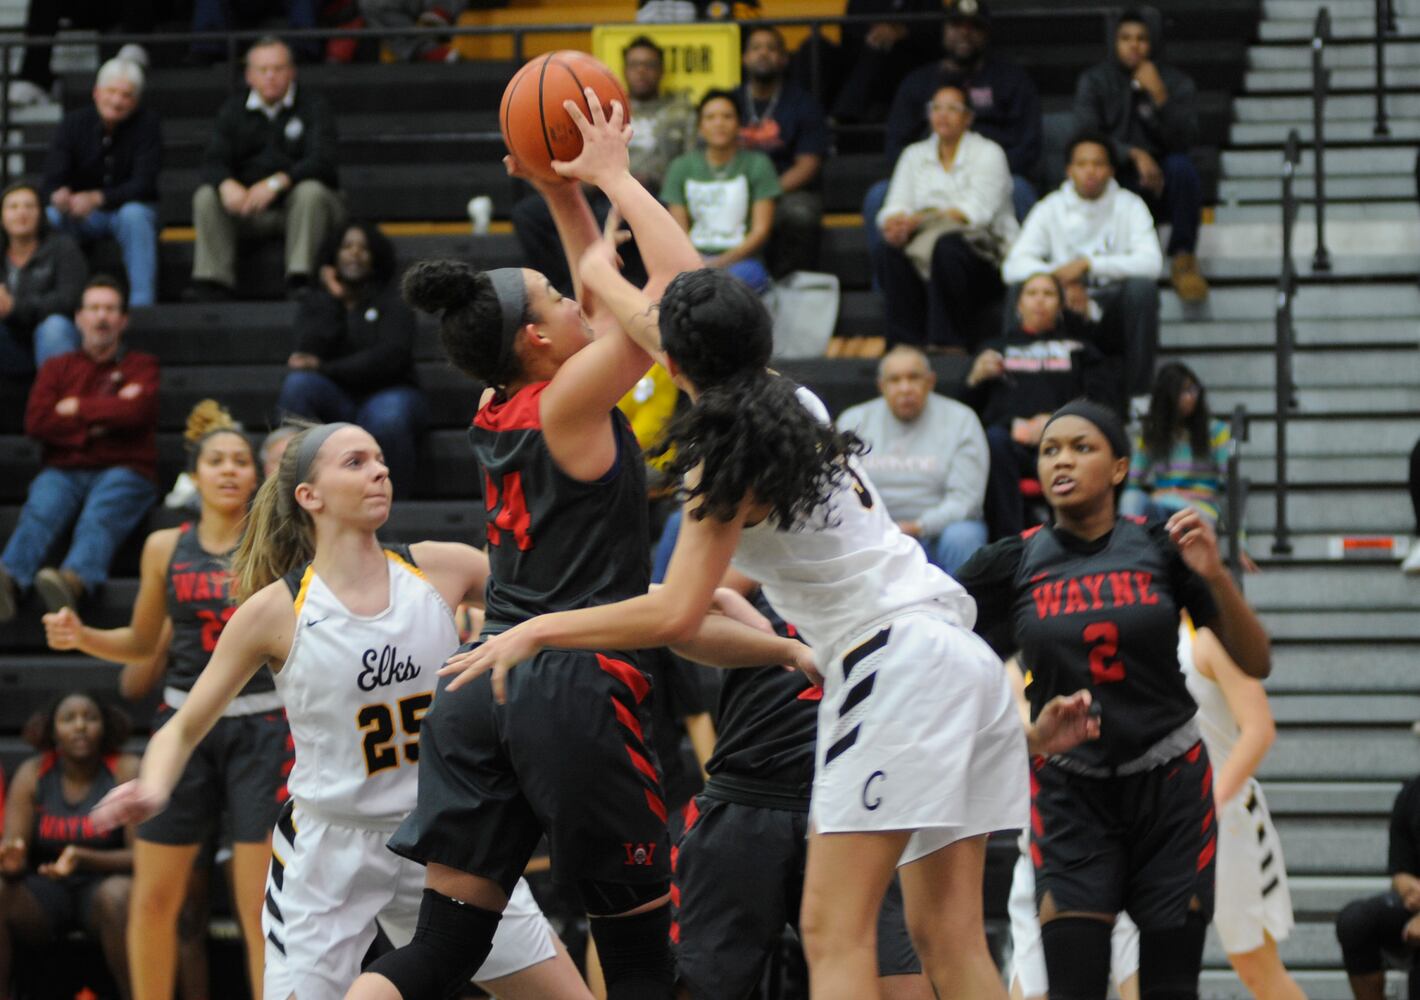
[[58, 823], [556, 543], [199, 604], [1215, 719], [356, 688], [847, 567]]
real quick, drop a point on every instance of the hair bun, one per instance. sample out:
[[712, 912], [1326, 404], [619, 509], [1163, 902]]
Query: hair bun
[[206, 417], [435, 286]]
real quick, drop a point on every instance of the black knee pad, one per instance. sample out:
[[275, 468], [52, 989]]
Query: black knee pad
[[1170, 961], [601, 899], [450, 942], [1076, 957], [635, 954]]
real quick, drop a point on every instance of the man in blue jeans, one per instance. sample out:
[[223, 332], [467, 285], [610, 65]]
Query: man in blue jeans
[[95, 411], [354, 356], [101, 174]]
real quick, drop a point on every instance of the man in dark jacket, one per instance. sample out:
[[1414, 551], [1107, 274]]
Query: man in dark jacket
[[101, 174], [95, 411], [354, 356], [1150, 112], [270, 167]]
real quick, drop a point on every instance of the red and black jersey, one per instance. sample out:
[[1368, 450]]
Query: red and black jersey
[[200, 605], [59, 823], [556, 543], [767, 722], [1101, 615]]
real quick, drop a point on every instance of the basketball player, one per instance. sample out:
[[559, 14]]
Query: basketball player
[[238, 768], [1126, 822], [352, 632], [916, 763], [565, 491]]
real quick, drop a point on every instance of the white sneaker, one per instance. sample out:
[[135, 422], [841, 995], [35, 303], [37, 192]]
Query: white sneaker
[[23, 93], [1411, 565], [184, 494]]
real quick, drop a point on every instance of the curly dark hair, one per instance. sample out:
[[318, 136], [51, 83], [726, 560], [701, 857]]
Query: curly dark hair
[[470, 319], [1162, 423], [747, 433], [39, 731], [382, 255]]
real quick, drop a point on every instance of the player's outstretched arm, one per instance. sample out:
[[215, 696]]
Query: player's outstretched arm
[[141, 639], [260, 631]]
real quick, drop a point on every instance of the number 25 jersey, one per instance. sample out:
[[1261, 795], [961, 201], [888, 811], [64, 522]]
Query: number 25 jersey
[[356, 688]]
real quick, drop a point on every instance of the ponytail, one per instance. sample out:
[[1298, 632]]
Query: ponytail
[[280, 535]]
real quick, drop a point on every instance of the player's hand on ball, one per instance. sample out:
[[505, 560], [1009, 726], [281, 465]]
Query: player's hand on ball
[[1197, 542], [495, 656], [1064, 723], [131, 802], [604, 156]]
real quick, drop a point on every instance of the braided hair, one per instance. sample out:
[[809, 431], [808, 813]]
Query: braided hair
[[470, 318], [747, 433]]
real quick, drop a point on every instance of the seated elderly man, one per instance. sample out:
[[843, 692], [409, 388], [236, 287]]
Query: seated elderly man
[[101, 174], [927, 457]]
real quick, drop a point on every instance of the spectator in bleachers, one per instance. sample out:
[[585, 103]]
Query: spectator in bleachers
[[95, 411], [786, 123], [859, 76], [1181, 458], [226, 15], [723, 195], [1387, 925], [354, 356], [34, 83], [663, 128], [1003, 98], [270, 167], [59, 873], [101, 174], [1149, 111], [273, 446], [945, 224], [927, 457], [1098, 240], [411, 14], [1044, 361], [44, 276]]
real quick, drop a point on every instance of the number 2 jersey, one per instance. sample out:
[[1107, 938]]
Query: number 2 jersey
[[1100, 615], [356, 688], [199, 604], [556, 543]]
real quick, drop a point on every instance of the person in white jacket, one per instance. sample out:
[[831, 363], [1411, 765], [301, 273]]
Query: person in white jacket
[[945, 224], [1098, 240]]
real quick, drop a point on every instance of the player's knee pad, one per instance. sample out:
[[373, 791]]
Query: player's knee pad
[[1077, 957], [635, 954], [1170, 961], [604, 898], [450, 942]]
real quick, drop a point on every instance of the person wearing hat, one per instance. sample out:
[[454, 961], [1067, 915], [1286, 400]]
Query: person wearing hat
[[1126, 822]]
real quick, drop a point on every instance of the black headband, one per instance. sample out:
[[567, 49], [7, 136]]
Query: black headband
[[512, 292], [1102, 417]]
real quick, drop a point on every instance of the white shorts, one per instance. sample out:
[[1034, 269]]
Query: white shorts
[[325, 891], [1252, 894], [921, 735], [1027, 952]]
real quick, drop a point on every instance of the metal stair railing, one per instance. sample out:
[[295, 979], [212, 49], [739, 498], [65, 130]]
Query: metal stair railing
[[1321, 82], [1286, 392]]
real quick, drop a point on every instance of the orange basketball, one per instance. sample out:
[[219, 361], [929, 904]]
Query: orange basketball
[[536, 127]]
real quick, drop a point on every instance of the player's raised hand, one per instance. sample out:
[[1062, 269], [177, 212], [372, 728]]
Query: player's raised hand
[[1197, 543], [131, 802], [604, 155], [1064, 723]]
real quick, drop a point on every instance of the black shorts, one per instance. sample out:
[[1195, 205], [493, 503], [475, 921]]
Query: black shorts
[[65, 902], [1143, 843], [238, 770], [739, 878], [568, 754]]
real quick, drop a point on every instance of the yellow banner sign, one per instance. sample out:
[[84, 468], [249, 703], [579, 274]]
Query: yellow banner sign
[[699, 57]]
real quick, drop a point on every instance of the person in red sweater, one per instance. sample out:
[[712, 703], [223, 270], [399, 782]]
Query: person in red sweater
[[95, 411]]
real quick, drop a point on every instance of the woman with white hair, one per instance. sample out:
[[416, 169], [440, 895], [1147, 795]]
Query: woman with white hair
[[101, 174]]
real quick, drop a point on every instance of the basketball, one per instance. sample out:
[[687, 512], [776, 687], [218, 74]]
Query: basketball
[[536, 127]]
